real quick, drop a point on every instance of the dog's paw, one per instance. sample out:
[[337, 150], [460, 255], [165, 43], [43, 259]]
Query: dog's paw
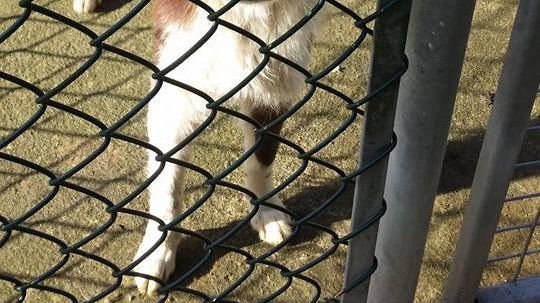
[[272, 225], [85, 6], [159, 264]]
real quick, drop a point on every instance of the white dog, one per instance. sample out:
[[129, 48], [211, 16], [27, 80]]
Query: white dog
[[219, 65]]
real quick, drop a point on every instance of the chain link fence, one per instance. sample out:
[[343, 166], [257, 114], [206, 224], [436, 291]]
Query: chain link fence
[[27, 287]]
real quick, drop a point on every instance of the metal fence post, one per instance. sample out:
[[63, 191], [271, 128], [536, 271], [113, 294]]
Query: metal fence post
[[513, 103], [436, 42], [387, 61]]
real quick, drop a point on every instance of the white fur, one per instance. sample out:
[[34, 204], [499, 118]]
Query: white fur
[[219, 65], [271, 224], [85, 6], [228, 57]]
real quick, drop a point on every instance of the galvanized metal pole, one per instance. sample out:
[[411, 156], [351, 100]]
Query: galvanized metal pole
[[387, 61], [436, 43], [513, 103]]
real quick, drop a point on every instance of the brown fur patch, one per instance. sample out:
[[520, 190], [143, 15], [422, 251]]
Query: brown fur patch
[[179, 12], [267, 150]]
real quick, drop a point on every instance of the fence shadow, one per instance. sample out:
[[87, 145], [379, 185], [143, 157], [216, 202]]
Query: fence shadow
[[461, 157]]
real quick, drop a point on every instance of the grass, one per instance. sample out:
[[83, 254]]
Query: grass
[[44, 52]]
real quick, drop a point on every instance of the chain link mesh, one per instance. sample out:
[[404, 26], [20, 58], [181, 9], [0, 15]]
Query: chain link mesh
[[110, 133]]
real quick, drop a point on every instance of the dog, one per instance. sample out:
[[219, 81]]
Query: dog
[[218, 66]]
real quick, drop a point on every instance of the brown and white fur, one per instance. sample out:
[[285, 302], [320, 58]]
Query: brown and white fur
[[220, 64]]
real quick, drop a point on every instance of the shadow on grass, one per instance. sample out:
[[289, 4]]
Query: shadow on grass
[[457, 174], [192, 251], [111, 5], [461, 158]]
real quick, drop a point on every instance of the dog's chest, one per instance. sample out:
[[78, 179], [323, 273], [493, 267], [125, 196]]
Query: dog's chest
[[227, 57]]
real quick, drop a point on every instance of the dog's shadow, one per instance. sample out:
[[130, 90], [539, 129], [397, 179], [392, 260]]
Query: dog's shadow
[[191, 250]]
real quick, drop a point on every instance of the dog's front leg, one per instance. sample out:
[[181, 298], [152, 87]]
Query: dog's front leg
[[272, 225], [172, 116]]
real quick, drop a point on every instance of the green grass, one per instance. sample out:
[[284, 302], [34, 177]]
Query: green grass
[[44, 52]]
